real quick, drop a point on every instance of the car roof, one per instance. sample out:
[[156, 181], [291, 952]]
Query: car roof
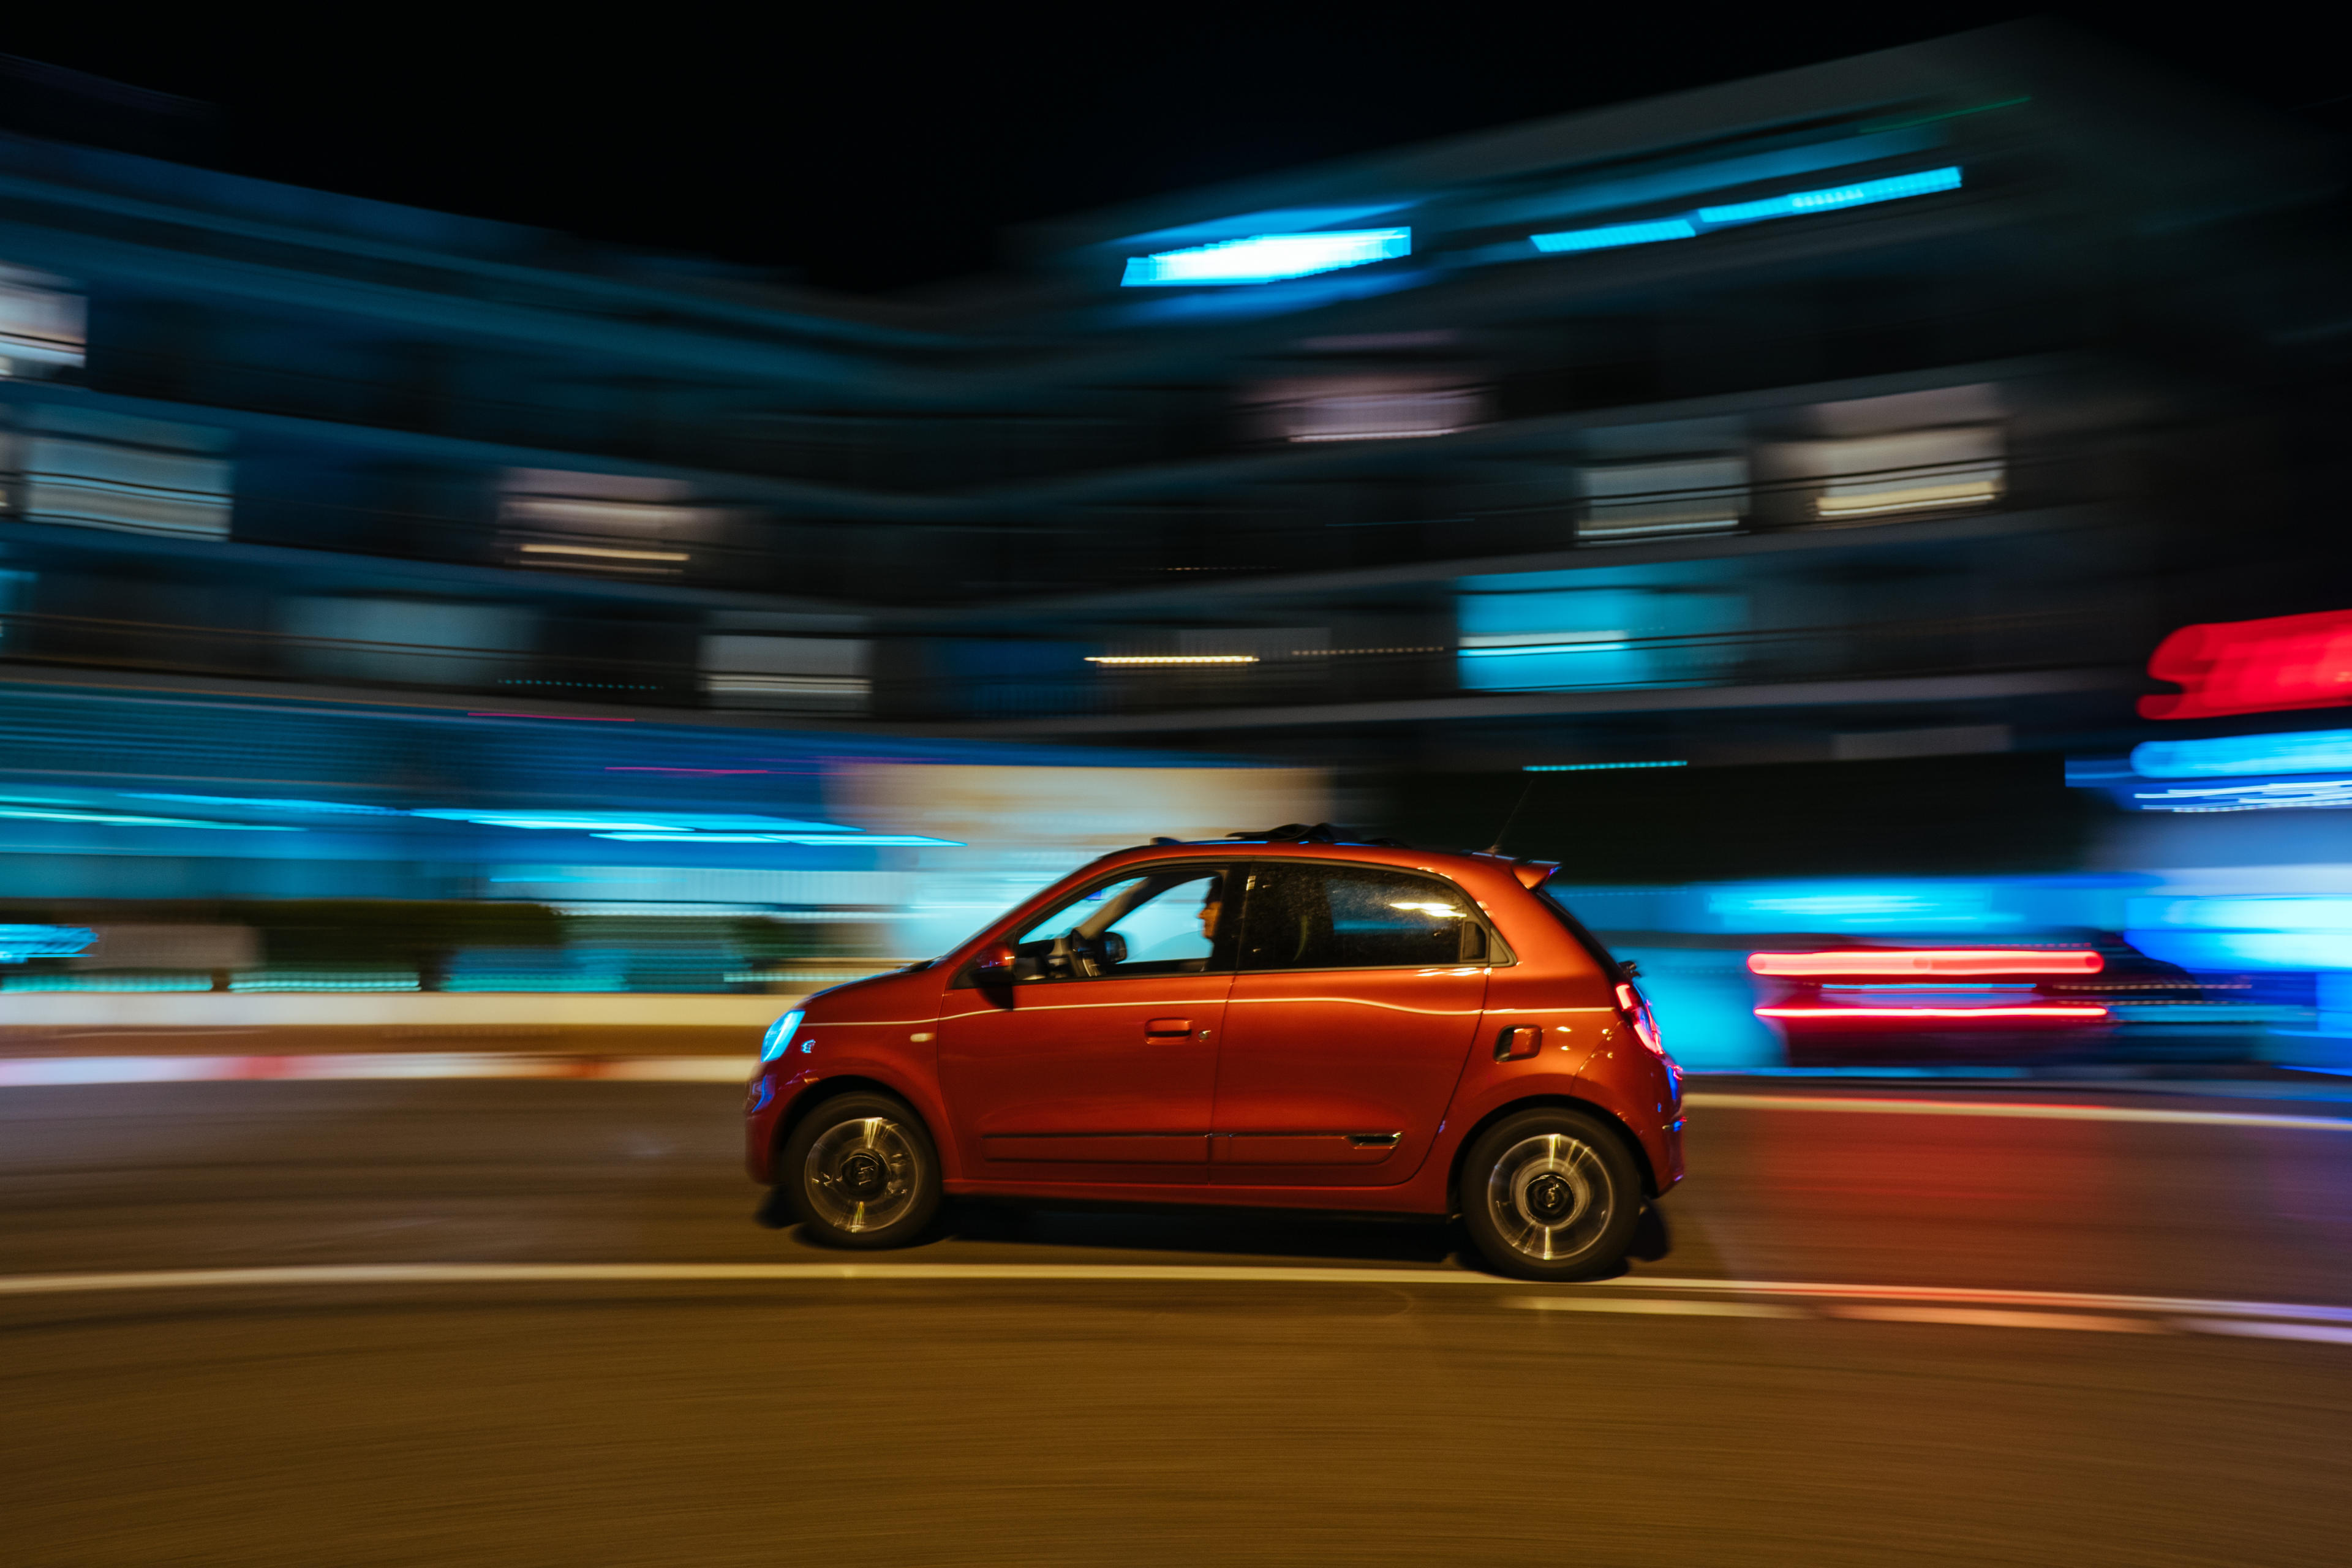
[[1282, 845]]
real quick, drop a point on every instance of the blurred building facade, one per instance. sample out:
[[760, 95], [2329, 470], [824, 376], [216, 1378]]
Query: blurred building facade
[[1892, 407], [1955, 371]]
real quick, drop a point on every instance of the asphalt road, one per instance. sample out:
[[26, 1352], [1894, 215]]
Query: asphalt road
[[1412, 1415]]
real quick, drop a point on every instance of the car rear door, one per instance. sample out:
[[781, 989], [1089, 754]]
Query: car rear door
[[1358, 995], [1096, 1070]]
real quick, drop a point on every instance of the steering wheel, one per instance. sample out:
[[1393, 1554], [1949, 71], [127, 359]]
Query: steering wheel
[[1080, 957]]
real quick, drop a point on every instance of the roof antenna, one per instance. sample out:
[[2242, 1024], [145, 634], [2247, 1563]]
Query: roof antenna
[[1496, 846]]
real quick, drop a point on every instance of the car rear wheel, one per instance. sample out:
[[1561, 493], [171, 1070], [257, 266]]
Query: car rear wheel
[[1550, 1193], [861, 1172]]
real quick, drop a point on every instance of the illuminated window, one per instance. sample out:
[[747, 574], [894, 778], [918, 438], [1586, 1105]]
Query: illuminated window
[[1218, 648], [1629, 502], [1883, 478], [407, 642], [615, 524], [804, 674], [41, 325], [88, 468], [1366, 407], [1624, 627]]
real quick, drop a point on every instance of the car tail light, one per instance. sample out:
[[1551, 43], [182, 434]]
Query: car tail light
[[1635, 1010]]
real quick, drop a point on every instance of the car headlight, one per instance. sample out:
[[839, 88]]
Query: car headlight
[[779, 1037]]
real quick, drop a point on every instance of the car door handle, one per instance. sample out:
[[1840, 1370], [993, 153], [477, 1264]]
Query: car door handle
[[1166, 1028]]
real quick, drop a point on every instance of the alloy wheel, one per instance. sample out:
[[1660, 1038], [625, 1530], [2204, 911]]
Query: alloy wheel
[[862, 1173], [1550, 1196]]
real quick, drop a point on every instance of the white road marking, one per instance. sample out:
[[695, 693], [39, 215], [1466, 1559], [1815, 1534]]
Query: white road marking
[[2323, 1333], [1920, 1304], [1663, 1308], [1961, 1295], [1990, 1318], [781, 1273], [2042, 1111]]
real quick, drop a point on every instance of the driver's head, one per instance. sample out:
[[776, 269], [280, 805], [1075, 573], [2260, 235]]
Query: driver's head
[[1211, 903]]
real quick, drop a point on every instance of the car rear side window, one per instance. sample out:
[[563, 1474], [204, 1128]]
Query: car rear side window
[[1600, 954], [1304, 915]]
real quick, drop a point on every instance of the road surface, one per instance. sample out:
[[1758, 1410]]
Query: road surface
[[525, 1323]]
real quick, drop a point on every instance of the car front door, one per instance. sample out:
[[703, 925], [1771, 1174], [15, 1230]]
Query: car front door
[[1097, 1064], [1358, 992]]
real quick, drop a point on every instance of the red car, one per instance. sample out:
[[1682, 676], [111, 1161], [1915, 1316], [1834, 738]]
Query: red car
[[1285, 1020]]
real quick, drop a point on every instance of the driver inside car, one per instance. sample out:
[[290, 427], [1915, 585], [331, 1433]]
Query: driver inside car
[[1143, 925]]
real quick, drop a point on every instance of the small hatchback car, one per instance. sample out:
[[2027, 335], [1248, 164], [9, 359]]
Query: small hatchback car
[[1285, 1020]]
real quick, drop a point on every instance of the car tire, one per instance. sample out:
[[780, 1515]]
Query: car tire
[[1550, 1193], [861, 1171]]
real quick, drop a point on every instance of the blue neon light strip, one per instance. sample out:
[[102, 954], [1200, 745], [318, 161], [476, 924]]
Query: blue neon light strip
[[1861, 193], [18, 943], [1615, 234], [1267, 257], [2319, 792], [1524, 648], [1796, 204], [1595, 767], [853, 840], [2200, 780], [2238, 757]]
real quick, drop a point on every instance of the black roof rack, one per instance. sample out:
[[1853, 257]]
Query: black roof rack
[[1288, 833], [1318, 833]]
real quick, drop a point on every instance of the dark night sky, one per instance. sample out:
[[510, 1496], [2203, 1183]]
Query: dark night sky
[[887, 149]]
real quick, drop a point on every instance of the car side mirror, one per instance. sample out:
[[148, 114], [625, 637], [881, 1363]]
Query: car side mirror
[[993, 966]]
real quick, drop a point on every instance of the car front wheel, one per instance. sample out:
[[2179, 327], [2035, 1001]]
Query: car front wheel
[[1550, 1193], [861, 1172]]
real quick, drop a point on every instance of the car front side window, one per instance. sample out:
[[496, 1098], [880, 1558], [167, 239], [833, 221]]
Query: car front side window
[[1168, 921]]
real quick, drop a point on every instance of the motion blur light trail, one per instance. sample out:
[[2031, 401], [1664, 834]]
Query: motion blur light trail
[[1925, 961], [2253, 667], [1866, 1105], [391, 1065]]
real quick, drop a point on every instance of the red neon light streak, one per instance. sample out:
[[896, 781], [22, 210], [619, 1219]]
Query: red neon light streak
[[2047, 1011], [1907, 961], [2253, 667]]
